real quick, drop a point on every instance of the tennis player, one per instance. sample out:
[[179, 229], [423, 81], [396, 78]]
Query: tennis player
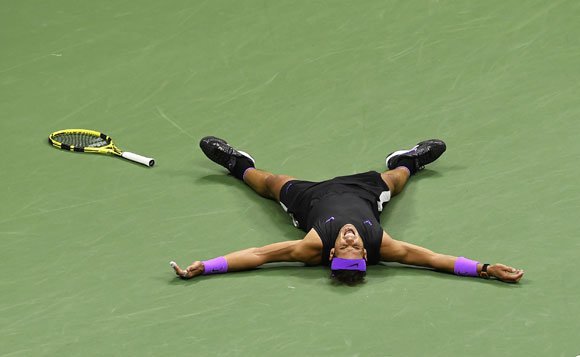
[[341, 219]]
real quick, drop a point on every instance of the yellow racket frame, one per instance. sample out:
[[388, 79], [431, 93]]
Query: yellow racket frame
[[110, 148]]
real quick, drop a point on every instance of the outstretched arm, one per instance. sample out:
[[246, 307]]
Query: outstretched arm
[[401, 252], [306, 251]]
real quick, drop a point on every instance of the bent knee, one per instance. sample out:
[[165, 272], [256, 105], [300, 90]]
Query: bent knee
[[274, 184]]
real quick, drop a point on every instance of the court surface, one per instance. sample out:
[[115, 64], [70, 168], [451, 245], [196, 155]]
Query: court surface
[[313, 89]]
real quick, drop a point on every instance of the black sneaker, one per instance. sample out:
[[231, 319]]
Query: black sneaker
[[220, 152], [422, 154]]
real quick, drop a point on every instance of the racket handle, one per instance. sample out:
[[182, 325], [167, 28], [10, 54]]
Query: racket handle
[[147, 161]]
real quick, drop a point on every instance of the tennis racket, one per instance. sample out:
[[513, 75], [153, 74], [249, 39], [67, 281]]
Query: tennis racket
[[83, 140]]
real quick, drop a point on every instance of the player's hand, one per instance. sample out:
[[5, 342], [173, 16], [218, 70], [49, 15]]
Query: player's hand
[[505, 273], [195, 269]]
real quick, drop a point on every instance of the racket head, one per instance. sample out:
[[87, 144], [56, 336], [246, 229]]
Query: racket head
[[82, 140]]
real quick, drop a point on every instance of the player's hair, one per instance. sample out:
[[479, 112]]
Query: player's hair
[[348, 277]]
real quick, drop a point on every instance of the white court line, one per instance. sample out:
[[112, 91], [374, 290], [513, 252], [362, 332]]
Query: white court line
[[172, 122]]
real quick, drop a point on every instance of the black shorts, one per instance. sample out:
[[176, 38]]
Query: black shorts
[[297, 197]]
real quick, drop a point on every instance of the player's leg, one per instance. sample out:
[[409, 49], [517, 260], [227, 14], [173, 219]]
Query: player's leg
[[265, 183], [404, 163], [242, 166], [396, 179]]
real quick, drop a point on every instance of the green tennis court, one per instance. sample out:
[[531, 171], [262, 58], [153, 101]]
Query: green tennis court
[[313, 89]]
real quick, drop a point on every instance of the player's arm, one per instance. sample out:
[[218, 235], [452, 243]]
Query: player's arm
[[307, 251], [406, 253]]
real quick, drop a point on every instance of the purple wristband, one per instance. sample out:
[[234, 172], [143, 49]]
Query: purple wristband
[[215, 266], [465, 267]]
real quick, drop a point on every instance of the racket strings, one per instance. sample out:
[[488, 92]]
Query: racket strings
[[80, 140]]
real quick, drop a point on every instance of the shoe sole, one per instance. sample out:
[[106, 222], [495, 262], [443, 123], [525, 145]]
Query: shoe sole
[[247, 155], [398, 153]]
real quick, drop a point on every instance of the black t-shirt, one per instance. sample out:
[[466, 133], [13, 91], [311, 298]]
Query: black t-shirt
[[331, 212]]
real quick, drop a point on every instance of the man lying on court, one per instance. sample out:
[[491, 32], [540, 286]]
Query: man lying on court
[[340, 217]]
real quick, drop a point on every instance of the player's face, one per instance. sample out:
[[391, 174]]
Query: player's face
[[349, 244]]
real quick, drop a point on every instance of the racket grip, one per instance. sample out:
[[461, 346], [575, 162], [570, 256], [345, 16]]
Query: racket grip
[[147, 161]]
